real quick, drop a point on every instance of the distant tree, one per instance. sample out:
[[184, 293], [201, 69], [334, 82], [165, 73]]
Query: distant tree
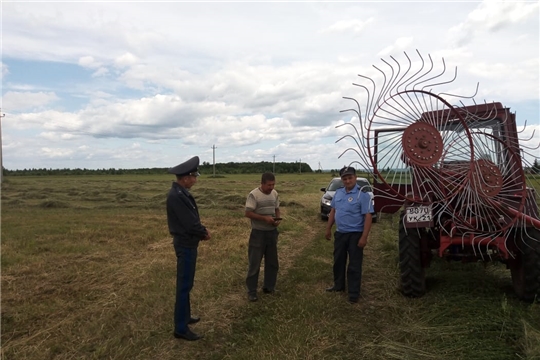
[[536, 167]]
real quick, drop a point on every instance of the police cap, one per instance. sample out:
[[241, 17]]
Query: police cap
[[347, 170], [189, 167]]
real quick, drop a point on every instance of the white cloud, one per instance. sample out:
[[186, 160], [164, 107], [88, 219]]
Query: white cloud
[[56, 136], [349, 26], [126, 60], [401, 44], [492, 16], [496, 15], [16, 101], [509, 76], [89, 62], [56, 152], [4, 70], [100, 72]]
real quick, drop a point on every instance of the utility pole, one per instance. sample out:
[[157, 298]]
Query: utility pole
[[214, 158], [1, 156], [274, 165], [300, 162], [214, 147]]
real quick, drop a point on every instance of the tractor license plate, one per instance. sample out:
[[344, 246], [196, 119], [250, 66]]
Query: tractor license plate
[[419, 214]]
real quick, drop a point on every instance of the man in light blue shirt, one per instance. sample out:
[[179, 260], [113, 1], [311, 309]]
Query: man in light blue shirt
[[351, 212]]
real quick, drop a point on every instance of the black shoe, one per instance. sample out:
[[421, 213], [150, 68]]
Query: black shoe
[[252, 297], [267, 291], [188, 335], [194, 320], [353, 300], [334, 289]]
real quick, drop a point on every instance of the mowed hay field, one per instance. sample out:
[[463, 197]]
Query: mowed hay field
[[88, 272]]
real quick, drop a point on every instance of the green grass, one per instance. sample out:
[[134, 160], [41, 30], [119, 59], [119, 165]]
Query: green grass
[[88, 272]]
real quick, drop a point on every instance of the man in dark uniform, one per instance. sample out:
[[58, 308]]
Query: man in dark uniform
[[186, 228]]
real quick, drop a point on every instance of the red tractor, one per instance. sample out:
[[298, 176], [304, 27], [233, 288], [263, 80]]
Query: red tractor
[[458, 174]]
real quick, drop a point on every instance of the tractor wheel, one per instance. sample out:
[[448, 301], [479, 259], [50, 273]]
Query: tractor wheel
[[526, 270], [413, 279]]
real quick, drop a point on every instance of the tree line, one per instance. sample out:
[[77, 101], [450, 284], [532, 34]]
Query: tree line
[[255, 168], [205, 169]]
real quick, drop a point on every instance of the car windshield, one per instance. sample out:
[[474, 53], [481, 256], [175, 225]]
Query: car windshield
[[337, 183]]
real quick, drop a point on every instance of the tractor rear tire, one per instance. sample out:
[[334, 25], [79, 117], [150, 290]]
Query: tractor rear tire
[[412, 274], [526, 272]]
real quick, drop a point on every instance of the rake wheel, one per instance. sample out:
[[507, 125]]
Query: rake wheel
[[496, 195], [422, 144], [419, 144]]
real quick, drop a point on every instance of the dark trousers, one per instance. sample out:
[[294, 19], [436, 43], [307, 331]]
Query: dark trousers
[[347, 244], [186, 259], [262, 244]]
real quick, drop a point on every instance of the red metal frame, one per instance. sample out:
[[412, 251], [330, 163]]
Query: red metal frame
[[474, 240]]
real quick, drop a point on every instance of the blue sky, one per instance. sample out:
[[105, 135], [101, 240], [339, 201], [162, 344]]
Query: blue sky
[[133, 84]]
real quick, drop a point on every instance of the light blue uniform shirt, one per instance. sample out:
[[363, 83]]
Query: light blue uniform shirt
[[350, 209]]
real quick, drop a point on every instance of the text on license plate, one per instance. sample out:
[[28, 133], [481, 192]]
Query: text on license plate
[[418, 214]]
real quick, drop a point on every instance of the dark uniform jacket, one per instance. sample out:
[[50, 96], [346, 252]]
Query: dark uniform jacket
[[183, 217]]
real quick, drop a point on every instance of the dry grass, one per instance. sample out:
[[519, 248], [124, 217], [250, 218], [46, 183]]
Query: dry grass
[[88, 272]]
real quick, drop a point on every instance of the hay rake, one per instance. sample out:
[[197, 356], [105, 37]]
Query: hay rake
[[460, 174]]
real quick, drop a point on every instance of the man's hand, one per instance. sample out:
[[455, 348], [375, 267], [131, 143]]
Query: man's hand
[[362, 242], [329, 224], [207, 236], [328, 234]]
